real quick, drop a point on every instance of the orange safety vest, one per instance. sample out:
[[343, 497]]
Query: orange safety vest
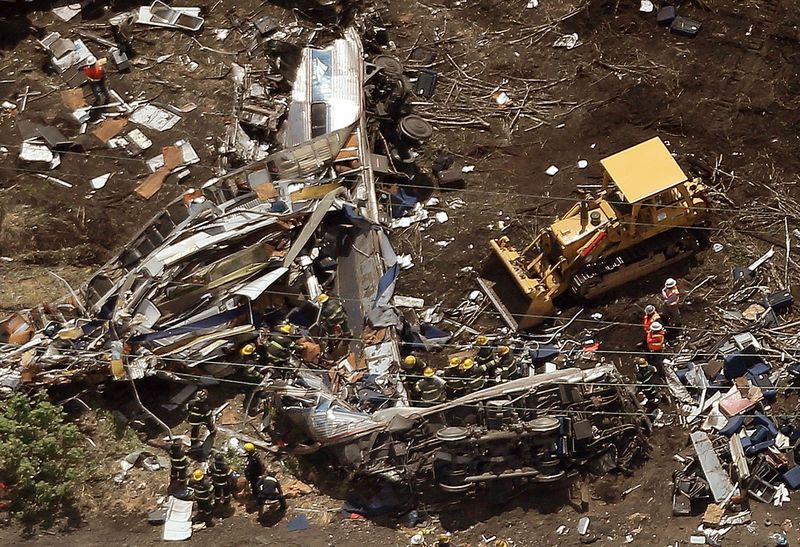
[[655, 341], [648, 319], [94, 72], [669, 294]]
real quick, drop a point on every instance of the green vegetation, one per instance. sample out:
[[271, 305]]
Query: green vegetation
[[41, 458]]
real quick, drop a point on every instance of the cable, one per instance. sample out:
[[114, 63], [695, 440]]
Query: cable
[[592, 412], [571, 199], [319, 370], [494, 313]]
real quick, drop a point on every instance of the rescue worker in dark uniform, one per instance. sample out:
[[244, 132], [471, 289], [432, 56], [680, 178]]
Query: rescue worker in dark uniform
[[454, 381], [413, 366], [472, 376], [506, 368], [333, 317], [280, 347], [429, 389], [200, 414], [253, 466], [221, 477], [178, 462], [269, 489], [204, 496], [484, 360], [253, 363], [647, 378]]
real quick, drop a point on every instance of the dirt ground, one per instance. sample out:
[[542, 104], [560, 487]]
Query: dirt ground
[[727, 98]]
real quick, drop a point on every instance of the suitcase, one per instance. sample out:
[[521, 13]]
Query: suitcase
[[666, 15], [780, 301], [684, 27], [426, 83]]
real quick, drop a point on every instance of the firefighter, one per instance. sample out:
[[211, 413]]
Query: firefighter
[[253, 466], [506, 365], [484, 360], [250, 356], [429, 388], [413, 366], [671, 297], [333, 316], [454, 381], [203, 495], [280, 346], [472, 376], [221, 477], [655, 343], [178, 462], [444, 540], [200, 414], [646, 375]]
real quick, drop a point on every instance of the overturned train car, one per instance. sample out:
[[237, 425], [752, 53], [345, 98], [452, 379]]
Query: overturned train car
[[539, 429]]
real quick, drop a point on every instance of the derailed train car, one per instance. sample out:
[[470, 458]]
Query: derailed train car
[[538, 429]]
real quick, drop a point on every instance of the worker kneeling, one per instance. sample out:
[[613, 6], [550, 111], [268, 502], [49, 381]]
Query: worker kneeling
[[269, 495]]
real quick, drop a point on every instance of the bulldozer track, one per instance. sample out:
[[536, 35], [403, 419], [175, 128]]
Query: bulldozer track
[[597, 278]]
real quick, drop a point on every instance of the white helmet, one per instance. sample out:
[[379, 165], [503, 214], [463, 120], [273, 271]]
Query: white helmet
[[655, 326], [90, 60], [649, 309], [669, 283]]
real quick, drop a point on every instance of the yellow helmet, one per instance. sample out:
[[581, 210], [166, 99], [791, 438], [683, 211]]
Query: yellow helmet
[[428, 372], [323, 298], [481, 340], [410, 361], [285, 328], [249, 447], [467, 364], [454, 362], [502, 350], [198, 474], [500, 543], [248, 349]]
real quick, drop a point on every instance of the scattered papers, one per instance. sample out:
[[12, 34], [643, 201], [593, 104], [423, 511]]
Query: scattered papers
[[568, 41], [99, 182], [552, 170]]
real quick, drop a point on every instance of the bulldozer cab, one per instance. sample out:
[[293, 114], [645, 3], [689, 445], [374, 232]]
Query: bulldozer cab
[[645, 185]]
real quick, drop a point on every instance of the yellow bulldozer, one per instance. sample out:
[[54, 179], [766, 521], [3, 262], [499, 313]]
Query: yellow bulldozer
[[640, 221]]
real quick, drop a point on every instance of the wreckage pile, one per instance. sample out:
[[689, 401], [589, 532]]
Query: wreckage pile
[[305, 217], [735, 390]]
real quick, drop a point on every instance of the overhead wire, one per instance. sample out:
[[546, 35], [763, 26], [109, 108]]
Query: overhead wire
[[571, 199]]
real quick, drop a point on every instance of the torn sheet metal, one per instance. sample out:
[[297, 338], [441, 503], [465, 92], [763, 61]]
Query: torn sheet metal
[[158, 14], [328, 90], [718, 480], [154, 117], [256, 288]]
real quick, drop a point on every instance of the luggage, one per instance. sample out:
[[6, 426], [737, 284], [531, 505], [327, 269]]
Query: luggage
[[684, 27]]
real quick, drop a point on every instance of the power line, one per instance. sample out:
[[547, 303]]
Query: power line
[[571, 199], [538, 411]]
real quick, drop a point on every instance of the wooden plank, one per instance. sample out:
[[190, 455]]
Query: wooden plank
[[109, 129], [153, 183]]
